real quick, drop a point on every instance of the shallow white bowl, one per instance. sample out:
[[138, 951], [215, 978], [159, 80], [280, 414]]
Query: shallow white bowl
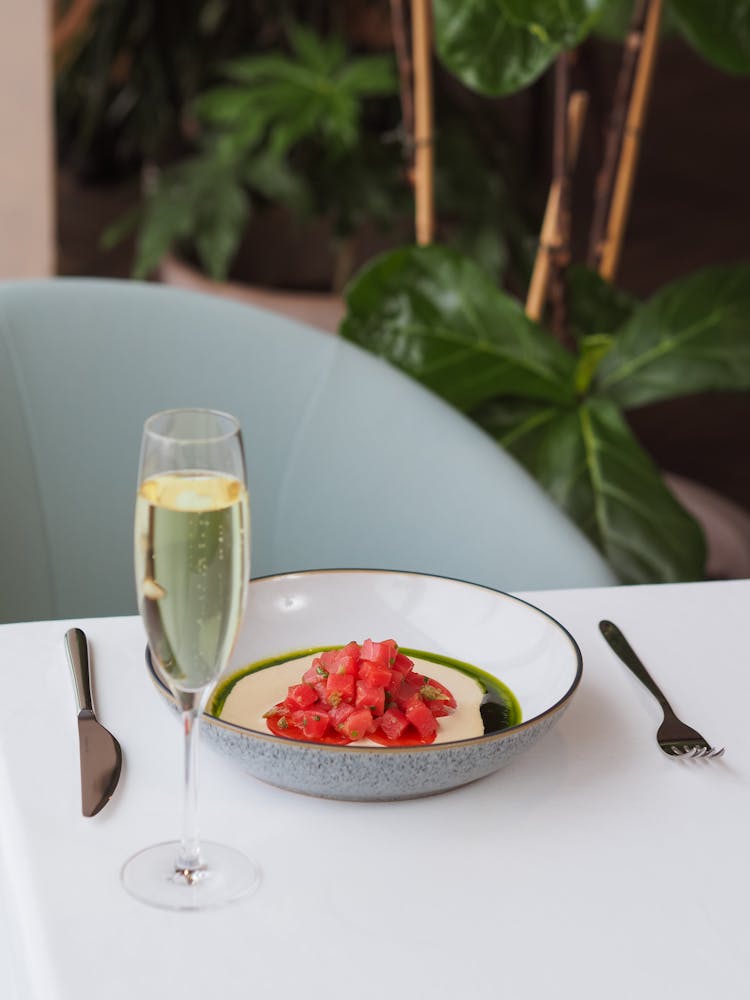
[[512, 640]]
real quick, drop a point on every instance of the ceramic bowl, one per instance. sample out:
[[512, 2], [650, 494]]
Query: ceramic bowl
[[513, 641]]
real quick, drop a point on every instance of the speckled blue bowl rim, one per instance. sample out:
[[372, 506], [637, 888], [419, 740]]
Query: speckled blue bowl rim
[[428, 748]]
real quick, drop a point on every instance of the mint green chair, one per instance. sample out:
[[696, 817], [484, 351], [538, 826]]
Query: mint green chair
[[350, 463]]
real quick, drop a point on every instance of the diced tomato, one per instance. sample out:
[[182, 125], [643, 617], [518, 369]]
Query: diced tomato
[[403, 663], [344, 664], [395, 683], [316, 672], [373, 673], [370, 696], [437, 697], [357, 725], [354, 692], [423, 720], [326, 659], [311, 723], [406, 694], [302, 695], [381, 653], [340, 713], [393, 723], [340, 687]]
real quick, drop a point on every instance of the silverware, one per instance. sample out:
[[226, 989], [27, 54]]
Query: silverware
[[673, 736], [101, 754]]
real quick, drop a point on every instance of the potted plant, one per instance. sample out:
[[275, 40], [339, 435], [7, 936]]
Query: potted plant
[[296, 177], [538, 375], [552, 381]]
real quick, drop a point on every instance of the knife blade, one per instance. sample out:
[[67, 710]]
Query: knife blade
[[100, 753]]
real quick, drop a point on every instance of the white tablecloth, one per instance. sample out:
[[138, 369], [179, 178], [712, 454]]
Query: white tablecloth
[[592, 867]]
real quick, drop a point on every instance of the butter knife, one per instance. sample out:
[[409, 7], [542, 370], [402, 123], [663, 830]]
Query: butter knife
[[100, 753]]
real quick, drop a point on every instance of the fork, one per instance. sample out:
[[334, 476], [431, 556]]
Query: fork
[[673, 736]]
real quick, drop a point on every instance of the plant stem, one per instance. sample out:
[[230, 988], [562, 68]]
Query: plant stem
[[559, 253], [424, 166], [537, 293], [623, 184], [343, 265], [615, 131], [403, 61], [68, 29]]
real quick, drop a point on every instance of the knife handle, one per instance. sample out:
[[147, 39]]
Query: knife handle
[[77, 648]]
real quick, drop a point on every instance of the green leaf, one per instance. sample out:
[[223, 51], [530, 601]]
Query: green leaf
[[588, 460], [314, 92], [274, 179], [594, 305], [437, 316], [499, 46], [592, 350], [692, 336], [718, 29], [614, 22], [223, 214], [369, 76], [201, 201], [517, 424], [323, 56], [226, 105]]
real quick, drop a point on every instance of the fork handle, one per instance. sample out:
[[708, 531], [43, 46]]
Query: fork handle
[[624, 650]]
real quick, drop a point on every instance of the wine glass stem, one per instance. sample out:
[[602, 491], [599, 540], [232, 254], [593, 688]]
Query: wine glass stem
[[190, 854]]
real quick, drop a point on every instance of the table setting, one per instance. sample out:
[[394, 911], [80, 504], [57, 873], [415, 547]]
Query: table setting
[[588, 843]]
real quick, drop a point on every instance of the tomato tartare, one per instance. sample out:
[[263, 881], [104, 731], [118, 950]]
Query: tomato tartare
[[362, 691]]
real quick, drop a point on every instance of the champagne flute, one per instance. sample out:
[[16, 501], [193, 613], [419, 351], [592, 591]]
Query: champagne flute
[[192, 553]]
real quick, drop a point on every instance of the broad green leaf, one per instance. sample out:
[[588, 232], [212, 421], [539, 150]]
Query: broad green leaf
[[437, 316], [718, 29], [692, 336], [594, 305], [588, 460], [500, 46], [518, 424], [591, 351]]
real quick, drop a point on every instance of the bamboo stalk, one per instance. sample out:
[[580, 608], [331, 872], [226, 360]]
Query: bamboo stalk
[[550, 234], [615, 130], [559, 254], [403, 62], [424, 166], [631, 142]]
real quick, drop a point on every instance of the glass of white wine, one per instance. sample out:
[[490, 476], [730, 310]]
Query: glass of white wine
[[192, 555]]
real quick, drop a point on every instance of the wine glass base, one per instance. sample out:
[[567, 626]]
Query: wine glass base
[[226, 875]]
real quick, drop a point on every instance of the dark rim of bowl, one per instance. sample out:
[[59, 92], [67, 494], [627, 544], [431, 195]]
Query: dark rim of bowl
[[561, 703]]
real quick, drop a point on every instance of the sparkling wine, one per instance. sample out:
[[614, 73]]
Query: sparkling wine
[[191, 568]]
